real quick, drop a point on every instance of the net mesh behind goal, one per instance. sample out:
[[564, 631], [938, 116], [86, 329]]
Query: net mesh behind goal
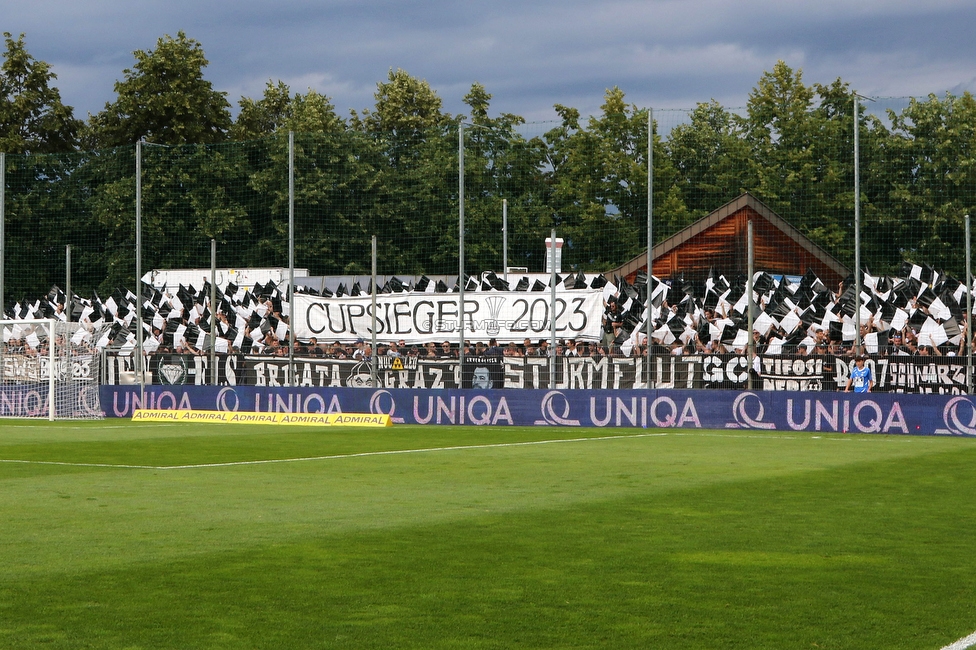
[[49, 370]]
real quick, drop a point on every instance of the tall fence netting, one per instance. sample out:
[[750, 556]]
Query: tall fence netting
[[760, 197]]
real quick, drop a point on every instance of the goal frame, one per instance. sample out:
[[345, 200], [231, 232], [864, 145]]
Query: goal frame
[[53, 351]]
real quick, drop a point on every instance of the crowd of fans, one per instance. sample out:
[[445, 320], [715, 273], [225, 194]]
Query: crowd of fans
[[920, 313]]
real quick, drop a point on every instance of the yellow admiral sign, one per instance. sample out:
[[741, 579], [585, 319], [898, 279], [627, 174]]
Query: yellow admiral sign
[[234, 417]]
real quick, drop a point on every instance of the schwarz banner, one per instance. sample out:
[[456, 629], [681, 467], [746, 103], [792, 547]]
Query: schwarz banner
[[665, 409], [422, 318]]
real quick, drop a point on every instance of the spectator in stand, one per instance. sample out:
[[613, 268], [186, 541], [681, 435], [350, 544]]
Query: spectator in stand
[[543, 347], [896, 344], [493, 350], [962, 342], [613, 320], [571, 350], [430, 351], [512, 350], [445, 351]]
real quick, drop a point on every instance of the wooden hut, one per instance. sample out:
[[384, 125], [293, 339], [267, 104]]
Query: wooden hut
[[718, 242]]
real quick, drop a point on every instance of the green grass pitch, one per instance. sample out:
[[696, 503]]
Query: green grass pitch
[[116, 535]]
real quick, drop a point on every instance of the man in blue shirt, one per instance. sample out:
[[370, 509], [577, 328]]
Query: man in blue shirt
[[861, 378]]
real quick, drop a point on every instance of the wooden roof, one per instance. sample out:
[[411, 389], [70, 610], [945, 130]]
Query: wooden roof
[[719, 241]]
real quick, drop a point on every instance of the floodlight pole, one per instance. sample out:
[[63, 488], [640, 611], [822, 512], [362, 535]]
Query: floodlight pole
[[461, 280], [291, 258], [505, 239], [552, 313], [372, 357], [750, 303], [139, 331], [857, 230], [213, 312], [649, 324], [969, 311], [67, 284], [3, 212]]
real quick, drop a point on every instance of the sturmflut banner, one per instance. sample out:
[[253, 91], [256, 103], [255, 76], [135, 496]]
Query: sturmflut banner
[[423, 318]]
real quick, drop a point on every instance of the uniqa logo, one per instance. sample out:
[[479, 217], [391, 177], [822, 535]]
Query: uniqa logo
[[550, 402], [743, 420], [377, 405], [960, 426], [227, 400]]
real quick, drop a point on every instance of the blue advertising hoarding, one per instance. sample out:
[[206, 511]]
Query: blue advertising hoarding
[[684, 409]]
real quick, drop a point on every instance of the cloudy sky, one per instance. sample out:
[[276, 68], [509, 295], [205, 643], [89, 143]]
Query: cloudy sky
[[529, 54]]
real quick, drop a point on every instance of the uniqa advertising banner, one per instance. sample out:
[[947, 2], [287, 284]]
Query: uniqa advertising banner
[[434, 317], [890, 413]]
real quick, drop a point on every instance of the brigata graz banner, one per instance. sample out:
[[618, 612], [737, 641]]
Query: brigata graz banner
[[899, 374], [509, 316], [660, 409]]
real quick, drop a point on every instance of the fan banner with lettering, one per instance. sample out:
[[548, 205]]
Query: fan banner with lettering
[[421, 318]]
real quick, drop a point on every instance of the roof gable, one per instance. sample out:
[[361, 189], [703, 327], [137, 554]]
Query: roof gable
[[719, 241]]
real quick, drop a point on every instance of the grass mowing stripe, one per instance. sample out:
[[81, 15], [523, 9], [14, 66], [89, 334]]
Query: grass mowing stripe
[[69, 464], [265, 461], [422, 450]]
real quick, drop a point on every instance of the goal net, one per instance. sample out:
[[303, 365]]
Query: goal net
[[48, 369]]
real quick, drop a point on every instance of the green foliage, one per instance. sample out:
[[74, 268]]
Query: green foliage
[[279, 111], [32, 117], [165, 99], [392, 171], [931, 155], [599, 183]]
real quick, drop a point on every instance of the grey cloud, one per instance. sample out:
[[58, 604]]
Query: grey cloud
[[528, 55]]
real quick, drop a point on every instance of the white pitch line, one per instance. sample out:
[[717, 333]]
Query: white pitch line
[[962, 644], [336, 456]]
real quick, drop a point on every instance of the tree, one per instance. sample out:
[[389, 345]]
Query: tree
[[599, 183], [279, 111], [165, 99], [414, 152], [500, 164], [711, 160], [931, 157], [32, 117], [406, 107]]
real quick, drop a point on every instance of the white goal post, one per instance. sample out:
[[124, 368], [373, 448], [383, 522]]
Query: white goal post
[[48, 369]]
